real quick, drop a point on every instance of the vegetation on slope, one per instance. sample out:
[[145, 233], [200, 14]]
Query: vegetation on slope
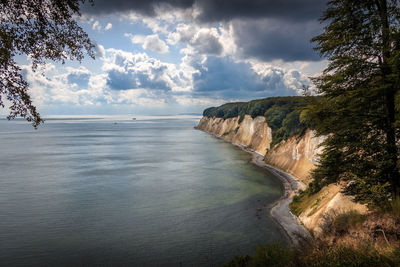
[[321, 256], [359, 105], [278, 255], [283, 114], [351, 239], [359, 112]]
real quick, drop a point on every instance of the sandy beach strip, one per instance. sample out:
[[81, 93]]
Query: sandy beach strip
[[280, 211]]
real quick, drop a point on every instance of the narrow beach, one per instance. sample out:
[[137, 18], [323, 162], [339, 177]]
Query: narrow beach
[[280, 211]]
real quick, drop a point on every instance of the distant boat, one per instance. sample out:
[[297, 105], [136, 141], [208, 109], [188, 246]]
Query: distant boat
[[134, 119]]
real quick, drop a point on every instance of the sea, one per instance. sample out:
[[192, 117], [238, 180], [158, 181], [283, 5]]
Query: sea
[[119, 191]]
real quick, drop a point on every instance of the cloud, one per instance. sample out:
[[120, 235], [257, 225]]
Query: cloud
[[223, 77], [129, 80], [198, 79], [108, 27], [183, 33], [76, 86], [201, 40], [293, 10], [150, 42], [96, 26], [265, 39], [206, 41], [148, 7], [265, 30], [218, 10], [268, 39], [127, 71], [99, 51], [78, 77]]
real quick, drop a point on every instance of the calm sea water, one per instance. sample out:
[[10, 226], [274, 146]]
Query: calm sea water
[[150, 192]]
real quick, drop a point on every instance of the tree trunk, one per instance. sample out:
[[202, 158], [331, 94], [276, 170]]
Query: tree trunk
[[391, 146]]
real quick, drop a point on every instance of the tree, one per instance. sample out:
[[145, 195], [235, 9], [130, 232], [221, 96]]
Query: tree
[[359, 107], [42, 30]]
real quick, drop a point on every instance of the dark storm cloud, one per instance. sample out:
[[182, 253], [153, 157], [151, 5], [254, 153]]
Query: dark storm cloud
[[269, 39], [142, 6], [219, 10], [263, 29], [296, 10]]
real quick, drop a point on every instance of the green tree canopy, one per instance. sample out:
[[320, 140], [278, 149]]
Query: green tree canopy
[[359, 88], [42, 30]]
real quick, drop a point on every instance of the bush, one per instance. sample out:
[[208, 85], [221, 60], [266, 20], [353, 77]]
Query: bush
[[299, 202], [227, 133], [394, 209], [346, 256], [343, 222], [269, 255], [238, 261], [273, 255], [279, 255]]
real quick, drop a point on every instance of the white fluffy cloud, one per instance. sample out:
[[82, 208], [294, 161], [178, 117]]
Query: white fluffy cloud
[[108, 27], [139, 71], [200, 80], [197, 62], [96, 26], [204, 40], [76, 86], [150, 42]]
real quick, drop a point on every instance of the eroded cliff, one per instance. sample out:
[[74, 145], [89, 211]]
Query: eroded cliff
[[252, 133], [297, 156]]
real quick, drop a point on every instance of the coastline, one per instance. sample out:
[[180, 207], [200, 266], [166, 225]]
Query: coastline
[[280, 212]]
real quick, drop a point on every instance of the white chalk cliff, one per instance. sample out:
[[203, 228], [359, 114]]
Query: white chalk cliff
[[297, 156]]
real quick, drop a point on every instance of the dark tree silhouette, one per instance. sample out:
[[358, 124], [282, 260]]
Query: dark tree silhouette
[[360, 108], [42, 30]]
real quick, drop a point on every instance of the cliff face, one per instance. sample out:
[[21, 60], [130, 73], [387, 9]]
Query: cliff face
[[252, 133], [297, 156]]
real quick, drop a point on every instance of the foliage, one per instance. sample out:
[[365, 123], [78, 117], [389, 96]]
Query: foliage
[[359, 105], [268, 255], [42, 30], [393, 209], [279, 255], [347, 256], [308, 198], [282, 114], [343, 222], [227, 133], [299, 202], [272, 255]]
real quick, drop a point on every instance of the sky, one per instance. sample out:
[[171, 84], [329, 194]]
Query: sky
[[181, 56]]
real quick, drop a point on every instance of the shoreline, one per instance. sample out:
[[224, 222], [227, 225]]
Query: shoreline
[[280, 212]]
